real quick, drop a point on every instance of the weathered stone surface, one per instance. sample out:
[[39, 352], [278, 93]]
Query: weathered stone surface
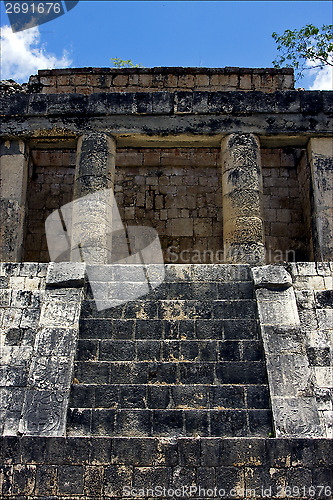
[[67, 107], [271, 277], [14, 178], [60, 308], [96, 156], [134, 359], [277, 307], [66, 274], [296, 417], [36, 361], [73, 467], [44, 413], [290, 376], [320, 151], [241, 173]]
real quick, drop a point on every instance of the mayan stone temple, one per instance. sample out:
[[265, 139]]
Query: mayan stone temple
[[166, 285]]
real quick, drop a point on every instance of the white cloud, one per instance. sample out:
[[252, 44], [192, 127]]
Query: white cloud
[[322, 78], [22, 54]]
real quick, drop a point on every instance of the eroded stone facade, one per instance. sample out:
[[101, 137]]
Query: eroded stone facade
[[221, 376]]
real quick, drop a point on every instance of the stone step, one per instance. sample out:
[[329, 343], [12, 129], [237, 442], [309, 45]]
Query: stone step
[[189, 290], [169, 350], [172, 272], [147, 396], [173, 310], [159, 329], [168, 423], [134, 372]]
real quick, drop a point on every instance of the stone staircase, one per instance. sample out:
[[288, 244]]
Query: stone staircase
[[185, 360]]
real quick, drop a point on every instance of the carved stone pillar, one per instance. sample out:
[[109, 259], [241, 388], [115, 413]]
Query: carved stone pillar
[[14, 179], [243, 230], [94, 208], [320, 154]]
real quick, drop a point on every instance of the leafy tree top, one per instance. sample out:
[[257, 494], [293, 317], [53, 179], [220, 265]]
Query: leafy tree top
[[308, 45]]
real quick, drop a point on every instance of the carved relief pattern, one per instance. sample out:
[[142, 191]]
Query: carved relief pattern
[[45, 413]]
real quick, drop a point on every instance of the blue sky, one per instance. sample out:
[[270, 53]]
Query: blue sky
[[167, 33]]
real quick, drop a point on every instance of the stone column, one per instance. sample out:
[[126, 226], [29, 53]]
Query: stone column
[[243, 229], [94, 207], [320, 154], [14, 181]]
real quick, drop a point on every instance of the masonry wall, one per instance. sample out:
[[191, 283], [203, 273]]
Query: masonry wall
[[50, 186], [22, 288], [177, 191], [306, 195], [92, 468], [100, 80], [313, 283], [286, 234]]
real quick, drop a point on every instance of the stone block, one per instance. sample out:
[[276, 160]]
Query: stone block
[[14, 375], [44, 413], [241, 329], [93, 481], [46, 480], [116, 479], [283, 340], [83, 396], [59, 342], [24, 479], [163, 103], [240, 453], [324, 299], [229, 479], [240, 372], [79, 422], [202, 227], [324, 376], [5, 298], [103, 422], [277, 307], [66, 274], [13, 177], [257, 397], [232, 310], [71, 480], [184, 102], [245, 82], [305, 299], [271, 277], [296, 417], [325, 319], [61, 308], [87, 349], [309, 283], [180, 227], [51, 372], [319, 356], [289, 374]]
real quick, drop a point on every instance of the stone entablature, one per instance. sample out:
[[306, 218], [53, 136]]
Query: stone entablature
[[95, 80], [172, 118]]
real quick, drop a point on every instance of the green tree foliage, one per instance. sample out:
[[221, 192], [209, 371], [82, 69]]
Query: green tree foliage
[[120, 63], [298, 48]]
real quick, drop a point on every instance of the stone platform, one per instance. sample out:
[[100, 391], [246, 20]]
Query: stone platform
[[219, 380]]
